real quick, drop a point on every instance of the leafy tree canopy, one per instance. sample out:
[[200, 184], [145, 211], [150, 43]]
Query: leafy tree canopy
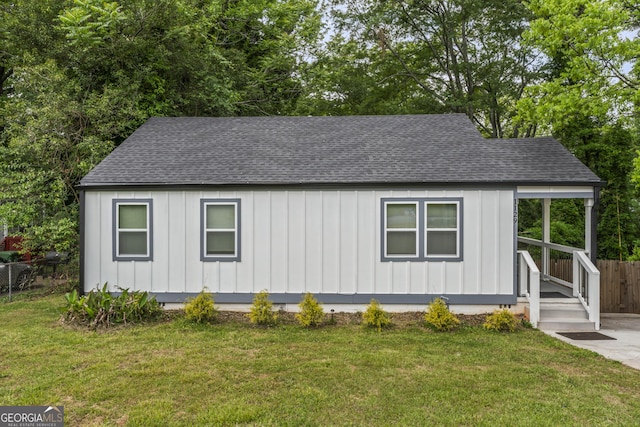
[[77, 77]]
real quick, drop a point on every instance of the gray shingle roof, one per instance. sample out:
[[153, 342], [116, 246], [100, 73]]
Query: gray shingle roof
[[412, 149]]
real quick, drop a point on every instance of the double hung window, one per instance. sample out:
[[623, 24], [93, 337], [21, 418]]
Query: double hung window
[[220, 230], [133, 230], [422, 229]]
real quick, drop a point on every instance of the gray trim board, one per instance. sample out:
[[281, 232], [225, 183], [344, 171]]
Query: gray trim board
[[557, 195], [295, 298], [81, 242]]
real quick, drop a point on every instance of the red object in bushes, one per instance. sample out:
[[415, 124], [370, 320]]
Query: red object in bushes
[[14, 243]]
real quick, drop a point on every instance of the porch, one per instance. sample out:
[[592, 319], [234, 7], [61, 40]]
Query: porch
[[560, 283]]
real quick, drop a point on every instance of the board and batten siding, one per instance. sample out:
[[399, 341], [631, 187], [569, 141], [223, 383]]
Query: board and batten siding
[[319, 241]]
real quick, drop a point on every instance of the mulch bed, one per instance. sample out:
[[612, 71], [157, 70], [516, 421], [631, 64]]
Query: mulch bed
[[399, 320]]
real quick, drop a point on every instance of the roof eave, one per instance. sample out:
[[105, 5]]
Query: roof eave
[[356, 184]]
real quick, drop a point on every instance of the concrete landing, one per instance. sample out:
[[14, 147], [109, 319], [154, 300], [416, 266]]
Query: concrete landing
[[625, 328]]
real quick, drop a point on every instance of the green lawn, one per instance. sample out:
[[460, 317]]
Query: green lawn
[[172, 373]]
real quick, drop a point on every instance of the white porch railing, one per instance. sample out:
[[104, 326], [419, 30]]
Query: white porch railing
[[585, 280], [562, 251], [586, 286], [529, 280]]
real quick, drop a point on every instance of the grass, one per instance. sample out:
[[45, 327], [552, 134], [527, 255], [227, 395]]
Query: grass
[[173, 373]]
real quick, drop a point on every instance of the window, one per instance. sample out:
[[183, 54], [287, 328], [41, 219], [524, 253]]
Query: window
[[132, 228], [442, 229], [402, 229], [220, 240], [422, 229]]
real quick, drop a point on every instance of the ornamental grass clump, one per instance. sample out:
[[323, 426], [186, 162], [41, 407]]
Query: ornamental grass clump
[[261, 312], [375, 317], [311, 313], [439, 317], [201, 309], [501, 320]]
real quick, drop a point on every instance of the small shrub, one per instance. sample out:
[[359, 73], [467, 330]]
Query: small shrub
[[261, 312], [501, 320], [311, 312], [201, 309], [375, 316], [438, 316], [100, 308]]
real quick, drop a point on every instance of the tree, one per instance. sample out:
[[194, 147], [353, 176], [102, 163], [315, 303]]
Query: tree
[[596, 58], [85, 73], [588, 100], [431, 56]]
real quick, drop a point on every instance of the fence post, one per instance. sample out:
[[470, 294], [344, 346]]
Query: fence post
[[10, 280]]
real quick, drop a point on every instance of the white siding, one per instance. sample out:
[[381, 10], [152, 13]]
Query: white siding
[[298, 241]]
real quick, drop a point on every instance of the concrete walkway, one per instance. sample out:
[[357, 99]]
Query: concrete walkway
[[625, 328]]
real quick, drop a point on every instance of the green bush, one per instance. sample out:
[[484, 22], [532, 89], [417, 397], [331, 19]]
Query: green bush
[[374, 316], [501, 320], [261, 312], [311, 312], [438, 316], [201, 309], [100, 308]]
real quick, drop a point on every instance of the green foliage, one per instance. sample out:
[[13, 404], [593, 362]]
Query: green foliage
[[589, 100], [77, 77], [201, 309], [311, 312], [426, 57], [439, 317], [375, 317], [99, 308], [261, 312], [501, 320], [590, 55]]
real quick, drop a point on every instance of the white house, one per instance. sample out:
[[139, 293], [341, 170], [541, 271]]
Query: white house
[[398, 208]]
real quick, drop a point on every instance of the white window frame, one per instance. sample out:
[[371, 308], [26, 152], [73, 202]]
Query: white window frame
[[148, 204], [456, 229], [421, 230], [387, 230], [204, 203]]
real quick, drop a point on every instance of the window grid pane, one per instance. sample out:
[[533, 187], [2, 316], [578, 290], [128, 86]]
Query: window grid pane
[[442, 243], [221, 217], [440, 215], [401, 215], [132, 216], [221, 243], [401, 243], [133, 243]]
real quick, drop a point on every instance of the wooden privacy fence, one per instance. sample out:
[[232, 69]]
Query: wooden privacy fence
[[619, 283], [619, 286]]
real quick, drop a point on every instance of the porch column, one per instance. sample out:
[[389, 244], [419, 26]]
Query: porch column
[[588, 208], [546, 236]]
